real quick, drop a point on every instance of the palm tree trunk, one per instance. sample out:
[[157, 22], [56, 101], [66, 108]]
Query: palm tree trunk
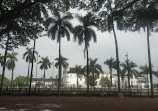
[[148, 84], [12, 78], [32, 67], [59, 81], [111, 76], [28, 74], [44, 76], [123, 83], [93, 81], [77, 82], [3, 71], [117, 56], [88, 94], [129, 84], [37, 65], [149, 60]]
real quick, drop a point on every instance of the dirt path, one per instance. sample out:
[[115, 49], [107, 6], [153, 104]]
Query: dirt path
[[51, 103]]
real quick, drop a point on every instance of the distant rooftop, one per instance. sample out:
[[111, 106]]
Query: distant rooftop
[[72, 70]]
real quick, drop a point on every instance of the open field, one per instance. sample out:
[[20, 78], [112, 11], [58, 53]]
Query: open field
[[52, 103]]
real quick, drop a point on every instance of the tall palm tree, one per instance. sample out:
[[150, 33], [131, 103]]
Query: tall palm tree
[[110, 63], [85, 33], [58, 27], [129, 68], [144, 15], [45, 64], [28, 57], [11, 59], [94, 68], [4, 62], [79, 71], [113, 14]]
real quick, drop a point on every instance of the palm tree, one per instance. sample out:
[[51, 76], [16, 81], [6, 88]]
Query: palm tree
[[110, 63], [11, 59], [113, 13], [145, 70], [64, 63], [84, 33], [129, 68], [28, 57], [94, 68], [45, 64], [79, 71], [4, 62], [144, 15], [58, 28]]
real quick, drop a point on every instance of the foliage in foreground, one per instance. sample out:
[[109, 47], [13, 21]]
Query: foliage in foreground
[[6, 81], [105, 82]]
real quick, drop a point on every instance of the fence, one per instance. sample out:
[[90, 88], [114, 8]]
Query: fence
[[79, 91]]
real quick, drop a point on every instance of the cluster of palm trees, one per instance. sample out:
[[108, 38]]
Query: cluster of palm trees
[[94, 69], [59, 26], [10, 63], [129, 68]]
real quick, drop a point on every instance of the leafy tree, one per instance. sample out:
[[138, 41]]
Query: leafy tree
[[11, 59], [6, 81], [21, 81], [92, 81], [110, 63], [129, 68], [84, 33], [45, 64], [11, 42], [105, 82], [28, 57], [58, 27], [21, 14], [95, 69]]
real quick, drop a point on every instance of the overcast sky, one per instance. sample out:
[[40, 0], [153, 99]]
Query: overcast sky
[[132, 42]]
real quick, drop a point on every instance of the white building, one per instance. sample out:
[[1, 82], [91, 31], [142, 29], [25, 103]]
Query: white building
[[48, 82], [70, 80]]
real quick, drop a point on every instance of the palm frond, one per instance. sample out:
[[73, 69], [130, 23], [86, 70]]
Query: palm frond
[[68, 25], [49, 21], [67, 17], [93, 34]]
